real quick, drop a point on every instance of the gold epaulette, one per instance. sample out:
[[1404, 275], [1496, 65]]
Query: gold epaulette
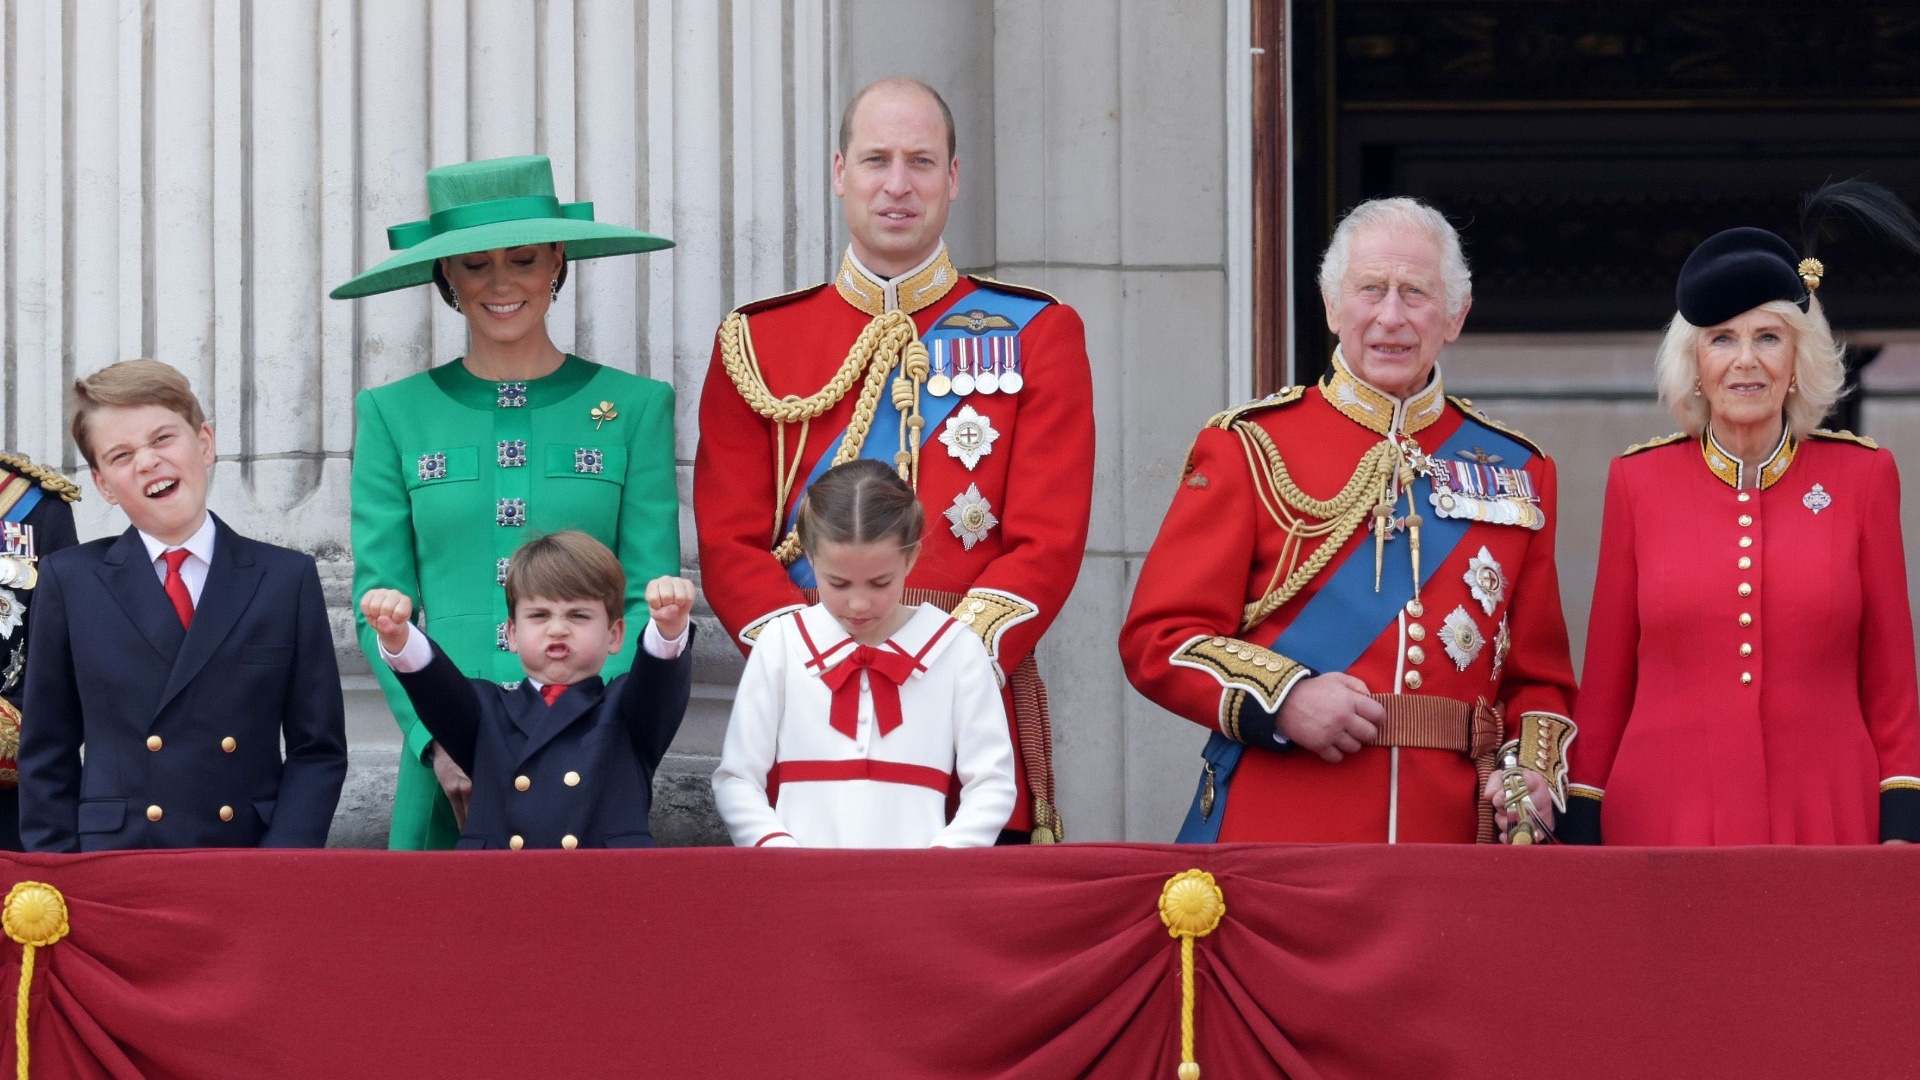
[[1650, 444], [1226, 417], [1008, 286], [1843, 436], [1466, 406], [765, 303], [49, 478]]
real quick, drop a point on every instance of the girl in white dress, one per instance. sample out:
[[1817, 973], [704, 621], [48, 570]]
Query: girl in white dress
[[857, 715]]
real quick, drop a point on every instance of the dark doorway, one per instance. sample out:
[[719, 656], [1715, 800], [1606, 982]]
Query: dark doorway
[[1584, 147]]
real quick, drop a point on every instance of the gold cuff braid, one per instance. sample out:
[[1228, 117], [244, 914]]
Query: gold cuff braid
[[988, 614], [1544, 738], [1241, 664]]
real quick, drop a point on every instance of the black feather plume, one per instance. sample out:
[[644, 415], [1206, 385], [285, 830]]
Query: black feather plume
[[1874, 205]]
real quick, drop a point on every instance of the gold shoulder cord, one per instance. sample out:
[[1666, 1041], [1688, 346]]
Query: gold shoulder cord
[[889, 341], [1285, 503]]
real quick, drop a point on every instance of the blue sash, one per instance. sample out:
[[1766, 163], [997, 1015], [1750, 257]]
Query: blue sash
[[26, 504], [881, 442], [1346, 615]]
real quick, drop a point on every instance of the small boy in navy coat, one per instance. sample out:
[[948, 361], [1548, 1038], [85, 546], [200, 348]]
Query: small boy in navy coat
[[179, 653], [561, 759]]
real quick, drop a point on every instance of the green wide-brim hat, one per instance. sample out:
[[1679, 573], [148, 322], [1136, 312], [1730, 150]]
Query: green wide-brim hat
[[497, 203]]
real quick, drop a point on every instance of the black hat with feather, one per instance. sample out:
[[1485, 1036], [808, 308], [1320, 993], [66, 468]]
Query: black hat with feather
[[1740, 269]]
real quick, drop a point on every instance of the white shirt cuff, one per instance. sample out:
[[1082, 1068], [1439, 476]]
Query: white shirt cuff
[[659, 647], [417, 653]]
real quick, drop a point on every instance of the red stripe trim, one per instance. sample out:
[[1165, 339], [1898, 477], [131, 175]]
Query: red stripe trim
[[820, 659], [932, 641], [885, 772], [770, 836]]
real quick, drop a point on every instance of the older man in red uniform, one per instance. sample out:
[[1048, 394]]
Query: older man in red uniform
[[1354, 587], [978, 392]]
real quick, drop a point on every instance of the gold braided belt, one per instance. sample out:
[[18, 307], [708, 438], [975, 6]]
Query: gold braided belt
[[890, 341]]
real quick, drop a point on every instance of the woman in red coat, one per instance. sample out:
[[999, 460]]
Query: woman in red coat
[[1750, 659]]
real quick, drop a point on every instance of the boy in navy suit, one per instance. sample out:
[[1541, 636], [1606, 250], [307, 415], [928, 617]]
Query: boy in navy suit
[[180, 654], [560, 759]]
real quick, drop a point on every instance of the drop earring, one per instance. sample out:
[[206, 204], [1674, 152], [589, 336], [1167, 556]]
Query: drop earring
[[1696, 388], [453, 301], [1793, 385], [553, 290]]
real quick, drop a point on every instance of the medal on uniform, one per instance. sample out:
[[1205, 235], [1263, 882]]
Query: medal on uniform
[[971, 516], [941, 384], [1486, 580], [989, 365], [1817, 499], [17, 556], [1011, 380], [968, 436], [1462, 639], [13, 613], [1479, 491], [962, 369]]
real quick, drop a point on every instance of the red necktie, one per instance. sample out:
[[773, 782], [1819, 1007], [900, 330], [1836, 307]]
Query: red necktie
[[552, 692], [886, 670], [177, 585]]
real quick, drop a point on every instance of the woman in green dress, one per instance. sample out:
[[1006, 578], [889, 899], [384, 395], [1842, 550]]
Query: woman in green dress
[[456, 467]]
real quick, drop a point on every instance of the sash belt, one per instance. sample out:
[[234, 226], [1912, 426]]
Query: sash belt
[[1429, 722]]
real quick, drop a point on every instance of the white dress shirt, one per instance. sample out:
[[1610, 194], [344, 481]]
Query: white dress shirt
[[199, 559]]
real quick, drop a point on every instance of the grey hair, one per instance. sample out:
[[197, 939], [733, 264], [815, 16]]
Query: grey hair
[[1456, 281], [1818, 370]]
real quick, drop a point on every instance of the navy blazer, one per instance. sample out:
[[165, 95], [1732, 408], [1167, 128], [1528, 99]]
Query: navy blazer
[[182, 728], [587, 762]]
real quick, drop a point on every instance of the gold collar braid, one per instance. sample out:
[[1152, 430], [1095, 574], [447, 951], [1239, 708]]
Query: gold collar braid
[[1732, 471], [915, 290], [889, 341], [1377, 411]]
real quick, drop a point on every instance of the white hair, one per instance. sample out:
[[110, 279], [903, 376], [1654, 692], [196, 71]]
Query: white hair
[[1819, 373], [1400, 212]]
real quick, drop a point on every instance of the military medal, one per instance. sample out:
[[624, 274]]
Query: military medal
[[1461, 637], [962, 370], [1817, 499], [1011, 380], [989, 365], [1474, 490], [971, 516], [17, 556], [13, 613], [1486, 580], [941, 384], [968, 436]]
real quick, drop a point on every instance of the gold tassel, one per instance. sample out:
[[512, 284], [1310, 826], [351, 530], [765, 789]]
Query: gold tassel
[[35, 916], [1191, 906]]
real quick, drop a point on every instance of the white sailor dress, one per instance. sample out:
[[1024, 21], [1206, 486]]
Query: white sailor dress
[[836, 744]]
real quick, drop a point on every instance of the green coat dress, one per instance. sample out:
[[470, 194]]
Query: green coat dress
[[452, 473]]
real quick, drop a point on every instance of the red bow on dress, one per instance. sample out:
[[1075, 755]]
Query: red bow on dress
[[886, 671]]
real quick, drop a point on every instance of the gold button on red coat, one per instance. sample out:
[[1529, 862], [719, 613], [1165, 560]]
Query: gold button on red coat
[[154, 743], [1746, 619], [1744, 497], [1746, 520], [1746, 678], [1746, 589], [1416, 654], [1413, 680], [1745, 563], [1746, 541]]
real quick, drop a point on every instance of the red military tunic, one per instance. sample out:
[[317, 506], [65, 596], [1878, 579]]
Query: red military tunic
[[1004, 538], [1486, 626], [1750, 667]]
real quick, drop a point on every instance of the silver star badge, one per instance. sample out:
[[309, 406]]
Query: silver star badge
[[13, 612], [1817, 499], [968, 436], [971, 516], [1461, 637], [1487, 580]]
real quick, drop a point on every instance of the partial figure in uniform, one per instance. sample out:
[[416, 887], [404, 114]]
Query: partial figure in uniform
[[561, 758], [181, 655], [1750, 672], [978, 393], [858, 715], [36, 520], [455, 467], [1354, 587]]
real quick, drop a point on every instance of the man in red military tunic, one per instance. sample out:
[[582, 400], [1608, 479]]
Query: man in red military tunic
[[978, 392], [1355, 587]]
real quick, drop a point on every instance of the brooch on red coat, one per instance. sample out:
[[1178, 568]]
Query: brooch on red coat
[[968, 436], [1487, 581], [1817, 499], [1461, 637]]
